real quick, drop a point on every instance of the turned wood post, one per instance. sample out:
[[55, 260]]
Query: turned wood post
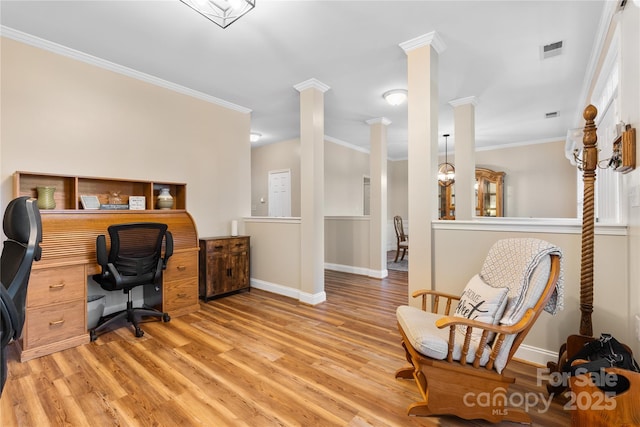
[[589, 164]]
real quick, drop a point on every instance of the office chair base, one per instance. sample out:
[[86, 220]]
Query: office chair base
[[132, 315]]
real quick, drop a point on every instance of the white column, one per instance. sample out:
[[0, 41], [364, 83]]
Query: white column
[[422, 67], [378, 199], [465, 155], [312, 190]]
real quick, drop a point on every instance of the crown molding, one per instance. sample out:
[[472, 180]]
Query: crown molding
[[312, 83], [430, 39], [107, 65], [346, 144], [382, 120], [464, 101]]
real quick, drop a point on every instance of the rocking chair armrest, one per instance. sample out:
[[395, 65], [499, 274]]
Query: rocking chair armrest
[[436, 295], [449, 321]]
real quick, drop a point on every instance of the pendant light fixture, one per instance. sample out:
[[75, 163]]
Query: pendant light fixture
[[446, 171]]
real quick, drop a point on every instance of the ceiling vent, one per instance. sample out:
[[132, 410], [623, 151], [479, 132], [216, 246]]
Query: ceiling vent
[[552, 49], [551, 115]]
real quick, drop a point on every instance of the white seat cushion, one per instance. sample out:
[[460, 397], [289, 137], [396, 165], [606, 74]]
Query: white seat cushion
[[426, 338]]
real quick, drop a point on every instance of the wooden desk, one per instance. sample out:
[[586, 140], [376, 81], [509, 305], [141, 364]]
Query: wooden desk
[[56, 317]]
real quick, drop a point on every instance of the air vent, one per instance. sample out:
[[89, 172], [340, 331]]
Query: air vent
[[552, 49], [551, 115]]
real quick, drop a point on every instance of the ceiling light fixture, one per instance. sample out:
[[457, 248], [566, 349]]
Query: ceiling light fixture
[[221, 12], [396, 96], [446, 171], [255, 136]]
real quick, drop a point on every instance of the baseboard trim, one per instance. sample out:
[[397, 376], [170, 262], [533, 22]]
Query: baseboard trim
[[274, 288], [535, 355], [362, 271]]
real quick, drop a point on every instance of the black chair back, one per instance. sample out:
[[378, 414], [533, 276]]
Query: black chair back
[[135, 257], [23, 227]]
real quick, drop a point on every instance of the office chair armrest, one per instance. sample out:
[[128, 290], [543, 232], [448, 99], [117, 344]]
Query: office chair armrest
[[101, 251], [168, 249], [12, 321]]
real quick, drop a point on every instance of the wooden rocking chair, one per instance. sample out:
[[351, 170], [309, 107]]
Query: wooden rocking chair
[[455, 360]]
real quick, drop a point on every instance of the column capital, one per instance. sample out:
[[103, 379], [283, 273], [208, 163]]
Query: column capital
[[377, 120], [463, 101], [311, 83], [430, 39]]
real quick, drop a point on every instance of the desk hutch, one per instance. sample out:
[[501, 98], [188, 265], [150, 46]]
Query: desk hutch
[[56, 317]]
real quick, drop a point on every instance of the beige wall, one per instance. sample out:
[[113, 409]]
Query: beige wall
[[345, 169], [398, 191], [61, 115], [539, 182], [280, 156]]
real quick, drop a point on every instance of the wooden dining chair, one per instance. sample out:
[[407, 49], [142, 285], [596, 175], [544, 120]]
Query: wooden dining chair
[[401, 238]]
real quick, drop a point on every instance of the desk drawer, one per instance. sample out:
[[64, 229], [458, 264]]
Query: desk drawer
[[181, 266], [56, 322], [56, 284], [179, 294]]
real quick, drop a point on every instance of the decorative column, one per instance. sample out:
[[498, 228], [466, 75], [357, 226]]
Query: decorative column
[[378, 199], [422, 84], [312, 190], [465, 157]]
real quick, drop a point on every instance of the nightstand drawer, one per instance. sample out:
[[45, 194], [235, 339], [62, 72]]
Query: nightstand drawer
[[56, 322], [57, 284], [181, 266]]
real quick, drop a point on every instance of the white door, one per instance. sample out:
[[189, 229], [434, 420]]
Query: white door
[[280, 193]]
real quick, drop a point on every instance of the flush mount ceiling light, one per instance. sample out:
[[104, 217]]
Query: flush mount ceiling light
[[255, 136], [396, 96], [221, 12]]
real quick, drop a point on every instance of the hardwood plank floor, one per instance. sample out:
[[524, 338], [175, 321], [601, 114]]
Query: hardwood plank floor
[[250, 359]]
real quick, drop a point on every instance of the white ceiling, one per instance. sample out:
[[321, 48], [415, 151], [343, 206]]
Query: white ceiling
[[493, 52]]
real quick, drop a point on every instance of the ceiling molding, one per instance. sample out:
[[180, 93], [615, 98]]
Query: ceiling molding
[[430, 39], [107, 65], [312, 83], [464, 101], [520, 144], [346, 144], [382, 120]]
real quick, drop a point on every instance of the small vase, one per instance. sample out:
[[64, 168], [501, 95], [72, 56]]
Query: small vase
[[45, 197], [164, 199]]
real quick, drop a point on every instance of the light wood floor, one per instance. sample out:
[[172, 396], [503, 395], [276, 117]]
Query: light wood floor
[[250, 359]]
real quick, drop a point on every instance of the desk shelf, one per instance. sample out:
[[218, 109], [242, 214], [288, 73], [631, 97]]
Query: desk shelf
[[70, 188]]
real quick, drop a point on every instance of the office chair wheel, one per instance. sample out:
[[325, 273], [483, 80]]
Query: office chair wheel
[[166, 317], [139, 332]]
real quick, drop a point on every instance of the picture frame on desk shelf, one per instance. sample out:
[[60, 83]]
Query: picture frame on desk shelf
[[90, 202], [137, 203]]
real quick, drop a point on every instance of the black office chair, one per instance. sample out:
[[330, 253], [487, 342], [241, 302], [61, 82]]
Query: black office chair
[[135, 259], [23, 227]]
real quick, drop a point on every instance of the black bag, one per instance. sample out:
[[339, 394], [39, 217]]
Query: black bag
[[602, 353]]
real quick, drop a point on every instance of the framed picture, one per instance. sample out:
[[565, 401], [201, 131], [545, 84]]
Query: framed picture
[[90, 202], [137, 203]]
